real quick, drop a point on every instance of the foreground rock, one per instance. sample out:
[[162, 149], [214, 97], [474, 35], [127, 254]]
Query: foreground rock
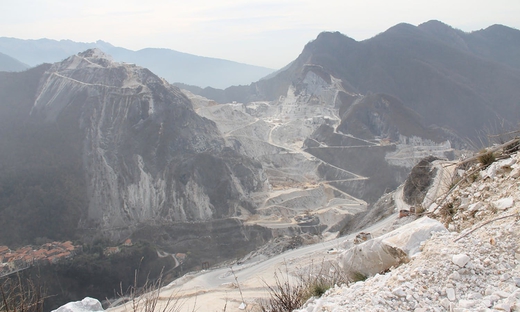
[[389, 250], [433, 282], [86, 305]]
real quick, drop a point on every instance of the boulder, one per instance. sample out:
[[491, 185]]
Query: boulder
[[504, 203], [497, 167], [461, 260], [396, 247], [86, 305], [515, 173]]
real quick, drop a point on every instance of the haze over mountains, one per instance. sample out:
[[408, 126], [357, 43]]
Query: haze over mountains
[[432, 68], [172, 65], [10, 64], [95, 148]]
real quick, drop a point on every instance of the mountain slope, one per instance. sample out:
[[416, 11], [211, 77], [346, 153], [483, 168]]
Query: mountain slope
[[380, 115], [119, 147], [471, 267], [10, 64], [438, 82], [172, 65]]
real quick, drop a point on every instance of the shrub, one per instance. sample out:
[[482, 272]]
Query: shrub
[[454, 182], [419, 209], [473, 177], [486, 158], [358, 276], [447, 211]]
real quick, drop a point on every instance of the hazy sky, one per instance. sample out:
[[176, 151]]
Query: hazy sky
[[260, 32]]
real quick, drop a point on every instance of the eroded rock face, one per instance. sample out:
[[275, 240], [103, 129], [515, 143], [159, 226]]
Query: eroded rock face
[[419, 180], [380, 254]]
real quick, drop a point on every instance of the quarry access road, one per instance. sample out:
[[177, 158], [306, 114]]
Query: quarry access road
[[212, 290], [243, 272]]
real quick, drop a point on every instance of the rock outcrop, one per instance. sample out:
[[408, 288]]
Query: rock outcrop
[[418, 182], [86, 305], [380, 254]]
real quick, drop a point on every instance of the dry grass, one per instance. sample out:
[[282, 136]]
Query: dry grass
[[284, 295], [358, 276], [486, 158], [289, 293], [17, 296], [147, 298]]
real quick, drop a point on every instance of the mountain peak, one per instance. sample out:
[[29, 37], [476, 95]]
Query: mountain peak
[[434, 24], [437, 28], [328, 37], [445, 33], [104, 43], [500, 32], [95, 54], [329, 42], [89, 58], [331, 35], [402, 28]]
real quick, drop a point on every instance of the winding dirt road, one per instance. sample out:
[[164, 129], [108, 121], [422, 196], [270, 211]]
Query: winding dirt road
[[212, 290]]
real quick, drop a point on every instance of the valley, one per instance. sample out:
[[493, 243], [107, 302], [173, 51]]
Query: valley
[[310, 186]]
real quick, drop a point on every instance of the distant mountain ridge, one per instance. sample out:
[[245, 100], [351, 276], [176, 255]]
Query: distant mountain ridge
[[497, 42], [172, 65], [11, 64], [452, 79]]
